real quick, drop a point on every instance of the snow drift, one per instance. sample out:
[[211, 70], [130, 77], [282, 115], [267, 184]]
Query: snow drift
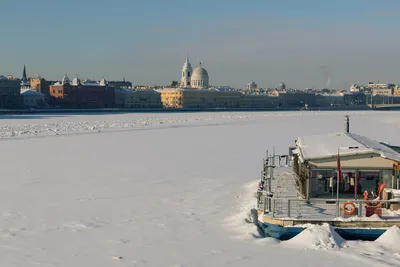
[[317, 237], [390, 239]]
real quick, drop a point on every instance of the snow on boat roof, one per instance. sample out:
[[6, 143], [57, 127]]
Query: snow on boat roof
[[327, 145]]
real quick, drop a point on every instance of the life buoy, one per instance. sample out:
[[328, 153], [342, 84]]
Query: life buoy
[[352, 209]]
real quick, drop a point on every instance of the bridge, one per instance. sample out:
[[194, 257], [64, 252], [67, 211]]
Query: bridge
[[385, 106]]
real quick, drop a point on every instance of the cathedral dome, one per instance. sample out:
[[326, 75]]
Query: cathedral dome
[[199, 73], [199, 78]]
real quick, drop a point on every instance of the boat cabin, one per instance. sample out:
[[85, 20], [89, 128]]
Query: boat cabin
[[365, 164]]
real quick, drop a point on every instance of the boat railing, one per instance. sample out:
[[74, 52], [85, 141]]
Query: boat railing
[[327, 209]]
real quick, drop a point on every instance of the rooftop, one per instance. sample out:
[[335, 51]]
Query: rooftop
[[327, 145]]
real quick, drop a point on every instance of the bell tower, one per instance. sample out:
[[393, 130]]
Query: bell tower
[[186, 73]]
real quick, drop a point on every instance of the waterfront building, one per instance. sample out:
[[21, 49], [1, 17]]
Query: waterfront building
[[372, 85], [382, 91], [10, 96], [354, 88], [86, 94], [297, 99], [132, 98], [327, 100], [354, 99], [282, 86], [32, 98], [199, 98], [143, 99], [40, 84], [249, 101], [120, 84]]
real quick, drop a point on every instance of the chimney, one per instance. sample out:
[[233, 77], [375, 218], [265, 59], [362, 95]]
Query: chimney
[[347, 123]]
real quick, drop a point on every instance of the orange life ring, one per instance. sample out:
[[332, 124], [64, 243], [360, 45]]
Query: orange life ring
[[351, 211]]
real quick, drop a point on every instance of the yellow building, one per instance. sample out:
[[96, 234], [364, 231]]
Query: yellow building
[[199, 98]]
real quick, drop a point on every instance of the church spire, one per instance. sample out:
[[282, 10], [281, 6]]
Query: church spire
[[24, 78]]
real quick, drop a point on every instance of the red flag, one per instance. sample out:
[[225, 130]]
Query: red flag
[[338, 168]]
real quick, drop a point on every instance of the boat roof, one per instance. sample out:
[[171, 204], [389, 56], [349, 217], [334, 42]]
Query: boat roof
[[328, 145]]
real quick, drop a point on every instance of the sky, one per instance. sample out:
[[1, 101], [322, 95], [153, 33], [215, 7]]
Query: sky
[[306, 44]]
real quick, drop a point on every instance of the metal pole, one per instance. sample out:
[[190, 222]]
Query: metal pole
[[355, 184], [273, 207], [337, 209], [288, 209], [308, 183], [273, 165], [372, 102], [265, 204], [337, 183]]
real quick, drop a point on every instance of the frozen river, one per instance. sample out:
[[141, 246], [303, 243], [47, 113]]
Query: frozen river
[[156, 189]]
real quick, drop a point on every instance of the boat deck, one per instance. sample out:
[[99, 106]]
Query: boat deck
[[284, 215]]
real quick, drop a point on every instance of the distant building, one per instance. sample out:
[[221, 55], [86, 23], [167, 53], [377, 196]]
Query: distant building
[[275, 92], [354, 88], [130, 98], [10, 96], [382, 91], [282, 86], [327, 100], [354, 99], [41, 85], [260, 101], [372, 85], [142, 99], [32, 98], [251, 86], [173, 84], [297, 99], [87, 94], [120, 84]]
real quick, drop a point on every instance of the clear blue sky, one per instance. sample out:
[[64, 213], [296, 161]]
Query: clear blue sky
[[299, 42]]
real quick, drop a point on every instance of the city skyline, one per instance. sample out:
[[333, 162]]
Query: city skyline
[[307, 44]]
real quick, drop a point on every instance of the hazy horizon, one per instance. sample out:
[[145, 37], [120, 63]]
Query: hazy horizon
[[308, 44]]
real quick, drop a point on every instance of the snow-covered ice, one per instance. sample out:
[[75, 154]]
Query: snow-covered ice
[[157, 189]]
